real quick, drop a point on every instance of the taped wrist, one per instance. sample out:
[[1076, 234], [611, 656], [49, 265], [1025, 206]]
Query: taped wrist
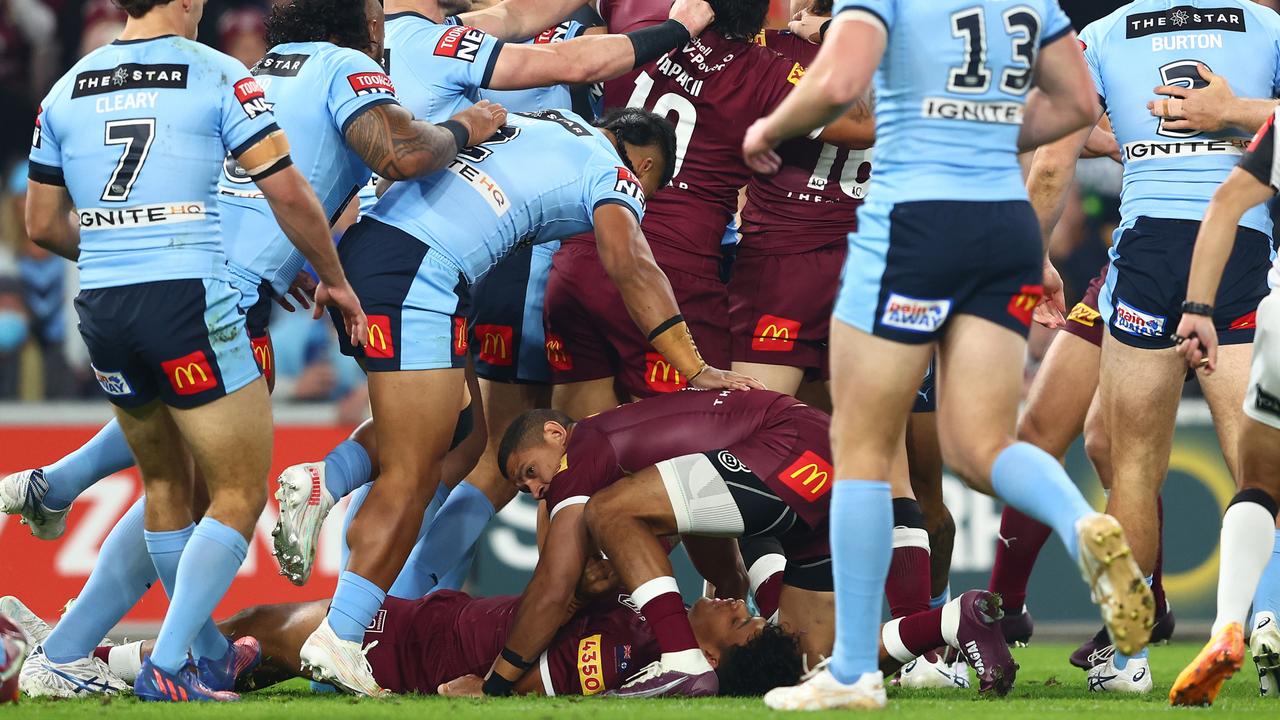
[[497, 686], [673, 339], [650, 43], [461, 135]]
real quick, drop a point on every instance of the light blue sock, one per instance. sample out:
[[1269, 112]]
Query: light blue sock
[[1120, 658], [355, 602], [410, 584], [453, 532], [861, 547], [457, 577], [1034, 483], [353, 507], [207, 566], [121, 575], [104, 454], [166, 549], [943, 599], [346, 468], [1267, 597]]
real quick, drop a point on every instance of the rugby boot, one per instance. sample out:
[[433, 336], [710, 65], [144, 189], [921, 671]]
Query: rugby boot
[[1118, 587], [22, 493], [304, 504], [981, 641], [819, 690], [657, 681], [1019, 628], [1086, 656], [930, 672], [242, 657], [341, 663], [156, 685], [13, 608], [41, 677], [1264, 646], [1134, 677], [1199, 682]]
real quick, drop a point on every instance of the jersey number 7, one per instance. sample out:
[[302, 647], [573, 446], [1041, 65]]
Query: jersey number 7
[[136, 136]]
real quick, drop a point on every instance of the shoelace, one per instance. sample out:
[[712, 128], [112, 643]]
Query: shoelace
[[813, 672], [1101, 655], [651, 670]]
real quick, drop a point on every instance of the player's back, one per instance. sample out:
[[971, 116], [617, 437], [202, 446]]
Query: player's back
[[139, 130], [538, 179], [813, 199], [317, 89], [1174, 173], [950, 93], [438, 68]]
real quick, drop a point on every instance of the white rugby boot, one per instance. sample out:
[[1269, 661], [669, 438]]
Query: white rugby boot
[[819, 690], [304, 504], [340, 663], [41, 677], [22, 493]]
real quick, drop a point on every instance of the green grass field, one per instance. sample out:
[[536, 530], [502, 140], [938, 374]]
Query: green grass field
[[1047, 687]]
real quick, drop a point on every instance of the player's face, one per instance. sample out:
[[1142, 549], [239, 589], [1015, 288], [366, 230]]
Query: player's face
[[721, 624], [531, 468], [193, 16]]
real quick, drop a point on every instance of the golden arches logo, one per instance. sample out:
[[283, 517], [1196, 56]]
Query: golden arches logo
[[189, 371], [377, 339], [494, 346], [816, 474], [669, 373], [776, 332], [262, 354]]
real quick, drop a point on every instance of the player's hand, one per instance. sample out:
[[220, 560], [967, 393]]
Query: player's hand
[[1203, 109], [1198, 342], [758, 151], [694, 15], [344, 299], [465, 686], [807, 25], [716, 379], [1053, 304], [598, 576], [303, 290], [482, 120]]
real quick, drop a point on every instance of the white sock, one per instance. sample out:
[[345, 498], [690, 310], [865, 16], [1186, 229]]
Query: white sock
[[893, 642], [687, 661], [1248, 536], [126, 660], [951, 623]]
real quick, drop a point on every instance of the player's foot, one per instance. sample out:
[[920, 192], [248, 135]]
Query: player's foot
[[12, 608], [1134, 677], [1106, 562], [657, 681], [304, 504], [821, 691], [156, 685], [1019, 628], [244, 655], [930, 672], [41, 677], [341, 663], [1162, 631], [1095, 651], [982, 643], [1264, 646], [1199, 682], [22, 493]]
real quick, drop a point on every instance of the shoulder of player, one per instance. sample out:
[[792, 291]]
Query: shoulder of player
[[791, 46], [1097, 32]]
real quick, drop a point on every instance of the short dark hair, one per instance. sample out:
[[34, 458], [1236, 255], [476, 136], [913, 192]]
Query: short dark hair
[[138, 8], [643, 129], [770, 659], [342, 22], [739, 19], [524, 431], [821, 7]]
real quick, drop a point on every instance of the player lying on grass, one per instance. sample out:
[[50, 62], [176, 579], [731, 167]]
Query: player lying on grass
[[691, 451]]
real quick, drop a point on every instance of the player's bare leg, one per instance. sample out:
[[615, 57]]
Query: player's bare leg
[[924, 463], [780, 378], [586, 398]]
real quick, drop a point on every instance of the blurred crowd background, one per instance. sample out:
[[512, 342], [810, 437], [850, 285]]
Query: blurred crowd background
[[41, 356]]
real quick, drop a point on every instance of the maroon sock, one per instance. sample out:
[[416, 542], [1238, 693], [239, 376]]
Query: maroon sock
[[1017, 548], [921, 632], [667, 618], [102, 652], [1157, 577], [767, 595], [908, 584]]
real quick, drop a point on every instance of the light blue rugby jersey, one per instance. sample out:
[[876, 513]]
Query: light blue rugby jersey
[[539, 180], [1174, 173], [138, 131], [950, 93], [317, 89], [541, 98]]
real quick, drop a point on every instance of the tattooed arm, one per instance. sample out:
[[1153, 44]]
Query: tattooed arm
[[856, 129], [396, 146]]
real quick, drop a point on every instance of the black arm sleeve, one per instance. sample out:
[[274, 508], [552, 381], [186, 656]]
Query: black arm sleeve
[[1259, 160]]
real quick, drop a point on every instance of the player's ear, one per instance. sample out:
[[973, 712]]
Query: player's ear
[[713, 657], [554, 432]]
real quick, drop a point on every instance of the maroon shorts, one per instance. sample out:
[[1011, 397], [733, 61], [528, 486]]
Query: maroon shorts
[[1085, 321], [416, 642], [780, 307], [590, 334]]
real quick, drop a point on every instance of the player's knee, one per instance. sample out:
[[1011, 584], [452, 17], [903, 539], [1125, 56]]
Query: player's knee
[[940, 525], [1031, 429], [1097, 446]]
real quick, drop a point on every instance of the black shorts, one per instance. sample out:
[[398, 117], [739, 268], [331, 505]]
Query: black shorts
[[927, 395], [507, 334], [182, 341], [1147, 283]]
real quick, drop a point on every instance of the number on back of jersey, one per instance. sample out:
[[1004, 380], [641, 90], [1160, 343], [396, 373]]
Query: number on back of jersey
[[627, 184]]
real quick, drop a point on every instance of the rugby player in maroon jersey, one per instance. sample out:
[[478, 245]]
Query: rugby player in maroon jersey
[[677, 464], [711, 90]]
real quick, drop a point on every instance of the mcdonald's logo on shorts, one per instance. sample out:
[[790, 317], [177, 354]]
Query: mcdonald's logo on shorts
[[558, 356], [495, 344], [380, 343], [660, 375], [775, 334], [190, 374], [264, 355], [810, 476], [1024, 303], [460, 343]]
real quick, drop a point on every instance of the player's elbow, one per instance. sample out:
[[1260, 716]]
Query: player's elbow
[[43, 227], [841, 88], [1082, 107]]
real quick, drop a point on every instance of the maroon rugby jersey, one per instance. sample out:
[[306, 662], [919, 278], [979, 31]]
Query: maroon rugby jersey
[[812, 202], [711, 90], [604, 448]]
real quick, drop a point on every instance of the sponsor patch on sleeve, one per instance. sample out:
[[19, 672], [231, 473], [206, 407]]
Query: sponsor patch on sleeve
[[1136, 322], [35, 137], [460, 43], [627, 184], [251, 97], [371, 83], [797, 72]]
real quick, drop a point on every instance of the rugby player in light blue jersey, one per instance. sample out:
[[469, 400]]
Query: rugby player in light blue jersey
[[157, 308], [948, 255], [1170, 174]]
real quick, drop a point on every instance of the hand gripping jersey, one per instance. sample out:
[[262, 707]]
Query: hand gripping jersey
[[813, 200], [950, 93], [137, 130], [711, 90], [540, 178], [1173, 173], [317, 89]]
